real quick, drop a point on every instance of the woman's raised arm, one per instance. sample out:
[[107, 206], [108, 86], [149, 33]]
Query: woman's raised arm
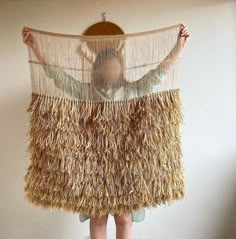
[[155, 76], [61, 79], [183, 37]]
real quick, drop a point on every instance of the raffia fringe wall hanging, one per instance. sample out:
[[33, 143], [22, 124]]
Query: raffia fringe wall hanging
[[105, 122]]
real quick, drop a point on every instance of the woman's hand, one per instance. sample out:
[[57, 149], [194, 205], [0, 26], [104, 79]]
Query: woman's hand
[[184, 35], [28, 39]]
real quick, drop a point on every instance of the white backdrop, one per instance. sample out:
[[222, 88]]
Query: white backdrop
[[208, 82]]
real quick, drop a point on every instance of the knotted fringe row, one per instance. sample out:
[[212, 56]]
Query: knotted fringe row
[[97, 157]]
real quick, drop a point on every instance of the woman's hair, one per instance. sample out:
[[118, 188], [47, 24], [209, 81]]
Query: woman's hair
[[104, 54]]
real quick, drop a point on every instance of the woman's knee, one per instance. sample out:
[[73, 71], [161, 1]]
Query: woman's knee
[[99, 220], [123, 219]]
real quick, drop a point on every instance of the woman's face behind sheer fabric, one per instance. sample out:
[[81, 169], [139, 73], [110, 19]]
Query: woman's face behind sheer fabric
[[110, 71], [108, 68]]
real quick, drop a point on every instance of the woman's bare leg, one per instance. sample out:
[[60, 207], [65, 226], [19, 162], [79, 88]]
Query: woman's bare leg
[[98, 227], [123, 226]]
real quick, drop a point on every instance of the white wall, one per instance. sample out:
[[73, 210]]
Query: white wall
[[209, 100]]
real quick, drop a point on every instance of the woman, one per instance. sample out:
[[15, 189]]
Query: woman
[[110, 84]]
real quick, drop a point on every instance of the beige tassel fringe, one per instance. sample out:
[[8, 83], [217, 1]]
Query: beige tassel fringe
[[97, 157]]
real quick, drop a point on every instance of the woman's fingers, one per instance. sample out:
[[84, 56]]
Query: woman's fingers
[[28, 39], [25, 39], [184, 29], [25, 29], [26, 35], [182, 25], [184, 32]]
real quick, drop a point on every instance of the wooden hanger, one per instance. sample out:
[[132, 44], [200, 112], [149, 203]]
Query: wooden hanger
[[103, 28], [90, 49]]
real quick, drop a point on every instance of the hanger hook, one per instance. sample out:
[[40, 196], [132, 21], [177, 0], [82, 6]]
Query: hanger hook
[[103, 16]]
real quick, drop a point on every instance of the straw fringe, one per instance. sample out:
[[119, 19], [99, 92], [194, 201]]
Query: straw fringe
[[97, 157]]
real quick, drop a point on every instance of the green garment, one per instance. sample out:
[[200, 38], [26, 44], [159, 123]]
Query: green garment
[[146, 85], [137, 216]]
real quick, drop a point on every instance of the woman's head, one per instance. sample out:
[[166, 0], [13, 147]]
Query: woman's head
[[108, 68]]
